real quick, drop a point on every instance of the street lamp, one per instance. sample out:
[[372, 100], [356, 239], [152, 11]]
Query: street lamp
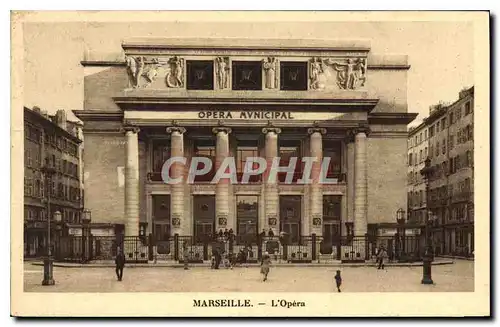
[[48, 262], [401, 220], [86, 219], [428, 255]]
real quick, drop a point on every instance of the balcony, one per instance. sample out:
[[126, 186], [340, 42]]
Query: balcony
[[462, 196]]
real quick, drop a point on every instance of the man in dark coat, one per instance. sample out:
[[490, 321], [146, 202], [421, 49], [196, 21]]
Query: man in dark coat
[[271, 233], [217, 256], [119, 263]]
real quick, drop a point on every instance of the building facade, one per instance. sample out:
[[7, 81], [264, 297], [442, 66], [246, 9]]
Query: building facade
[[241, 98], [451, 186], [418, 146], [54, 142]]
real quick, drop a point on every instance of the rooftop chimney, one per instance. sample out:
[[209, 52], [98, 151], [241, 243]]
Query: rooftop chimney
[[60, 119]]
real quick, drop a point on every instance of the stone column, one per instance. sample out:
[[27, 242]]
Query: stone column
[[316, 192], [132, 182], [349, 145], [178, 225], [360, 184], [271, 187], [222, 187]]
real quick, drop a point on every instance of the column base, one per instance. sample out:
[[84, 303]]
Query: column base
[[48, 282], [48, 279], [427, 280]]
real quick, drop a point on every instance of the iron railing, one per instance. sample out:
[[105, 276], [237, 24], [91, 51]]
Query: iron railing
[[308, 249]]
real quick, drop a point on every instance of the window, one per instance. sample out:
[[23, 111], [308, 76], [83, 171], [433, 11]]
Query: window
[[331, 217], [161, 153], [467, 108], [289, 149], [247, 215], [247, 149], [420, 156], [451, 141], [431, 131], [205, 148], [333, 150], [431, 151], [469, 132], [293, 75], [247, 75], [443, 124], [458, 113], [444, 146], [200, 74], [29, 159], [409, 159], [425, 152], [437, 127], [467, 185], [437, 149], [450, 122]]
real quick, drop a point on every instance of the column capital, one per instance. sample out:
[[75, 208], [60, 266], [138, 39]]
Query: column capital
[[266, 130], [351, 134], [361, 129], [219, 129], [322, 131], [130, 128], [173, 129]]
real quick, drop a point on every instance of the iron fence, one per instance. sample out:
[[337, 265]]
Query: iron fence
[[308, 249]]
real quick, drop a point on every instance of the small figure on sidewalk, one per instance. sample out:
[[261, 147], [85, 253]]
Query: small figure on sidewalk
[[338, 280], [265, 266], [119, 263], [217, 257], [382, 254], [270, 233]]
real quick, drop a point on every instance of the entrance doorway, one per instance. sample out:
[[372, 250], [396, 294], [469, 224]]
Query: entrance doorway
[[161, 222], [291, 216], [204, 217]]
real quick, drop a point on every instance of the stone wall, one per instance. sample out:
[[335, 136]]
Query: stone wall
[[386, 178]]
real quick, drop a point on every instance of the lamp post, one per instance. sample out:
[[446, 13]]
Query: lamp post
[[86, 219], [428, 255], [400, 218], [48, 262]]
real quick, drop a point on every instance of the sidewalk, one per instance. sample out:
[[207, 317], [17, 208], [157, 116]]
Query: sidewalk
[[174, 264], [456, 257]]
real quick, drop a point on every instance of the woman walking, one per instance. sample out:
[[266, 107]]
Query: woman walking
[[265, 266]]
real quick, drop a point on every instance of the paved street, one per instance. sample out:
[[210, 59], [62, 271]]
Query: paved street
[[457, 277]]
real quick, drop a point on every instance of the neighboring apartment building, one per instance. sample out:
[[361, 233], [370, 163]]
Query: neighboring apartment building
[[451, 186], [55, 142], [418, 145]]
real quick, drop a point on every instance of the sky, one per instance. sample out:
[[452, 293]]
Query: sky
[[440, 53]]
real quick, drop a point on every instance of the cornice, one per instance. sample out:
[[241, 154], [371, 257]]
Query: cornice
[[99, 115], [391, 118]]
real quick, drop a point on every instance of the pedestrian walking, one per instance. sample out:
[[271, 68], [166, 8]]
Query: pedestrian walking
[[119, 263], [338, 280], [270, 233], [265, 266], [381, 256]]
